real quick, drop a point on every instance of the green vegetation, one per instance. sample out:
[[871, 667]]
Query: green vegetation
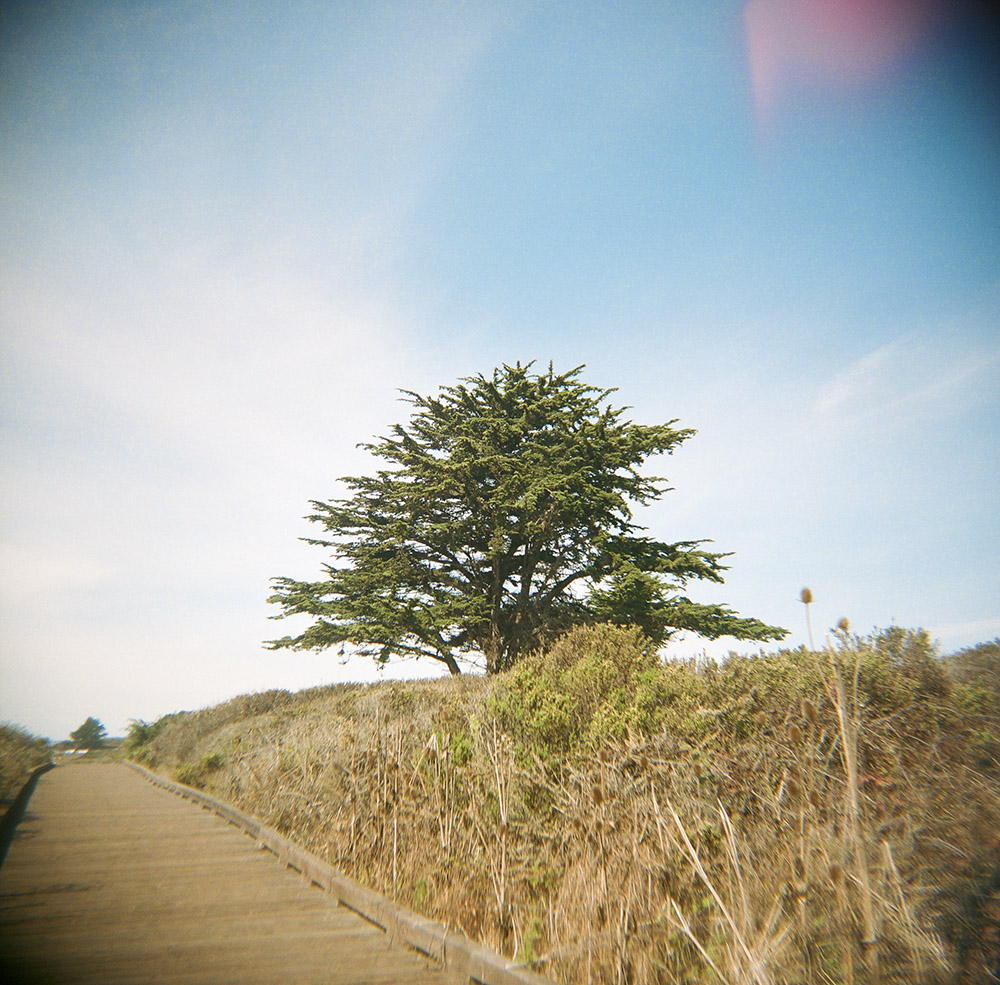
[[20, 753], [505, 519], [90, 735], [198, 774], [140, 734], [808, 816]]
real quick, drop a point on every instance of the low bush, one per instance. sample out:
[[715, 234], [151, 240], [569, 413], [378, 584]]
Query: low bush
[[197, 774]]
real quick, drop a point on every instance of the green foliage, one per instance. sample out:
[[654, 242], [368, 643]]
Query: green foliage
[[197, 774], [140, 735], [504, 519], [583, 690], [90, 735], [977, 671], [915, 656], [461, 750], [894, 668], [601, 683], [534, 932], [420, 895], [975, 676]]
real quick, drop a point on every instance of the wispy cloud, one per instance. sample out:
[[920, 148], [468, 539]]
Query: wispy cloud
[[906, 381], [860, 383]]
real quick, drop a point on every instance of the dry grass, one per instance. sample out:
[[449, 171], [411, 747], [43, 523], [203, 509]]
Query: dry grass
[[20, 753], [813, 817]]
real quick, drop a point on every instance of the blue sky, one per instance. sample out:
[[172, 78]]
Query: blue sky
[[233, 231]]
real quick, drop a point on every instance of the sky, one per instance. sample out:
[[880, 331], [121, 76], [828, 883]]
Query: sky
[[232, 232]]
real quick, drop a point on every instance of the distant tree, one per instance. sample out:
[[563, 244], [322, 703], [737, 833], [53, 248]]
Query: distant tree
[[90, 735], [504, 519]]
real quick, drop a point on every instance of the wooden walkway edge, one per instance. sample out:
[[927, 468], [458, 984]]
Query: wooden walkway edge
[[111, 879]]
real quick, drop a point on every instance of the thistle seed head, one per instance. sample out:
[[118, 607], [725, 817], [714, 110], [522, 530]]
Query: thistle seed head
[[836, 874], [795, 733], [806, 596], [808, 711], [844, 624]]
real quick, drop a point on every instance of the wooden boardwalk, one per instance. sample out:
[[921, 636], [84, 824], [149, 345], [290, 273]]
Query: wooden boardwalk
[[112, 880]]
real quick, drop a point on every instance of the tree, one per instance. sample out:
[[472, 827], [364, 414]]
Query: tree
[[90, 735], [504, 519]]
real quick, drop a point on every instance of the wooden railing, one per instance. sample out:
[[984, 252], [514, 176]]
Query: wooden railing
[[12, 816], [470, 961]]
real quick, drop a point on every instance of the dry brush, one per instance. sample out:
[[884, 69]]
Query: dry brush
[[805, 817]]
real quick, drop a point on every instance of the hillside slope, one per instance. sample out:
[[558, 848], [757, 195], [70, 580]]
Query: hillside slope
[[802, 817]]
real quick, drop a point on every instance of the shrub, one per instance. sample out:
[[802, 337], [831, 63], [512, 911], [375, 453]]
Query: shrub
[[580, 691], [912, 654], [978, 668], [197, 774], [140, 736]]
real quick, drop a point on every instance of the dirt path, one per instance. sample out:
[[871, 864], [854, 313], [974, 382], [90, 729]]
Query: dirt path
[[111, 880]]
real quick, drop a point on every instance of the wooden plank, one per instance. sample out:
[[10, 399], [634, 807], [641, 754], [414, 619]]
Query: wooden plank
[[109, 880], [470, 961]]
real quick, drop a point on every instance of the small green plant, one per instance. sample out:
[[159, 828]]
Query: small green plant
[[198, 774], [533, 934], [462, 750], [420, 895]]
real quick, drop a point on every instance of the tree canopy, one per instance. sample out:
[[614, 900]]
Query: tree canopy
[[90, 735], [503, 519]]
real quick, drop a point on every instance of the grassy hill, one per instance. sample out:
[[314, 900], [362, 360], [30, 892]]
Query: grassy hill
[[814, 817]]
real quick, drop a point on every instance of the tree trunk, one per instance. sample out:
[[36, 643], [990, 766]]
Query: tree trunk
[[494, 649]]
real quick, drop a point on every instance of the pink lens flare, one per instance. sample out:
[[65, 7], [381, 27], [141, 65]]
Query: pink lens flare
[[837, 46]]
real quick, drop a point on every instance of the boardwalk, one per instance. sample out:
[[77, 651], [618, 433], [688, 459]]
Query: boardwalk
[[110, 880]]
